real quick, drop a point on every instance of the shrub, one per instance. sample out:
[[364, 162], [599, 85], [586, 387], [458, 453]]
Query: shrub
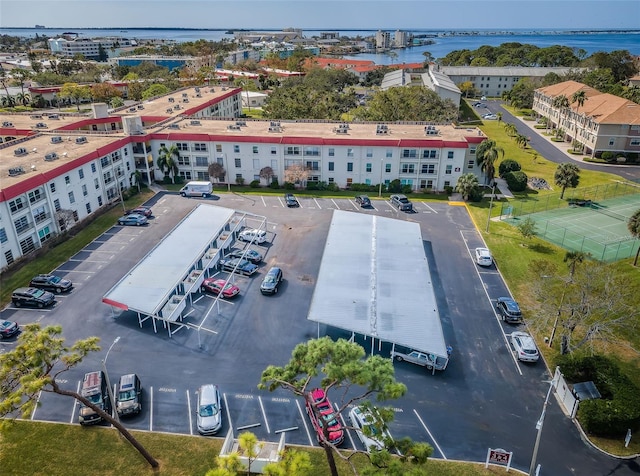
[[448, 189], [476, 195], [407, 189], [508, 165], [608, 156], [289, 186], [255, 184], [619, 408], [274, 184], [517, 181], [240, 180], [333, 187]]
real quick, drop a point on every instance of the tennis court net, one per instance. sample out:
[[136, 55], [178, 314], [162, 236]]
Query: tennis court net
[[604, 211]]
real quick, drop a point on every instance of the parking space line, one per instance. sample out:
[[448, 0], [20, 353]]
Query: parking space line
[[226, 409], [344, 426], [74, 271], [304, 422], [337, 206], [35, 407], [263, 202], [75, 403], [430, 435], [280, 202], [430, 208], [264, 415], [189, 413], [150, 408], [30, 310], [315, 200], [87, 260]]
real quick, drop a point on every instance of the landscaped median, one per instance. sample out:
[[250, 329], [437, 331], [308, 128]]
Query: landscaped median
[[62, 449]]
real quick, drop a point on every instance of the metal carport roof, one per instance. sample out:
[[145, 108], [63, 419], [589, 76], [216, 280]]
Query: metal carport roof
[[374, 280], [146, 288]]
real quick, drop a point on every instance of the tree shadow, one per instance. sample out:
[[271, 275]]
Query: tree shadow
[[541, 248]]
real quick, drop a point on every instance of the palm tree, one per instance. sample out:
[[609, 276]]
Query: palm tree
[[486, 155], [522, 141], [567, 175], [634, 228], [3, 81], [168, 161], [562, 104], [579, 97], [8, 101], [573, 259], [24, 98], [135, 178], [510, 129], [467, 183]]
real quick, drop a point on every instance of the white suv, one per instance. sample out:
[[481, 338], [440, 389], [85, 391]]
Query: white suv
[[253, 235]]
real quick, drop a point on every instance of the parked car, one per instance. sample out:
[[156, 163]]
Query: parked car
[[363, 201], [271, 281], [128, 396], [401, 202], [8, 329], [32, 297], [369, 427], [238, 265], [253, 235], [483, 257], [215, 286], [323, 416], [509, 310], [249, 255], [142, 210], [133, 219], [291, 200], [209, 412], [490, 117], [95, 389], [525, 347], [51, 283], [419, 358], [479, 104]]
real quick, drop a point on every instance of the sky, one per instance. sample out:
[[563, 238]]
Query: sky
[[325, 14]]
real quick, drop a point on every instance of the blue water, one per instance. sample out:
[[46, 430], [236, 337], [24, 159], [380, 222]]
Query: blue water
[[445, 41]]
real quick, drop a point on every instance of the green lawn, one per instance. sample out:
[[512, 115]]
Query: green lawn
[[37, 448]]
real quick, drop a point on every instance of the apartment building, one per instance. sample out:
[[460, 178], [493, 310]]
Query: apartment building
[[383, 40], [87, 47], [601, 123], [55, 176]]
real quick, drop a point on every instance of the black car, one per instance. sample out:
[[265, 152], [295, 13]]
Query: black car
[[32, 297], [271, 281], [363, 201], [51, 283], [141, 210], [509, 310], [8, 329], [250, 255], [291, 200]]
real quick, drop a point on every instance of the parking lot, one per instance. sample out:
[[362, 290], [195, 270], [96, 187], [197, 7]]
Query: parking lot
[[484, 398]]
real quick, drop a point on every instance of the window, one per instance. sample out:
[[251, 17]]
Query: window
[[104, 161], [219, 148], [183, 160], [93, 167], [292, 150], [470, 164], [81, 174], [202, 161], [312, 165], [99, 201], [96, 182], [472, 150], [430, 154], [255, 149], [88, 205], [368, 167], [182, 146], [447, 169], [332, 180], [72, 199], [67, 180], [21, 224], [349, 182], [56, 205], [349, 166], [236, 149], [634, 142], [369, 153], [447, 183], [407, 168], [312, 151], [274, 150], [349, 152], [389, 154], [367, 181], [52, 187], [332, 152], [35, 195], [239, 178], [8, 255], [450, 154], [27, 245], [3, 236], [16, 205], [84, 190], [428, 169], [200, 147], [332, 166], [409, 153], [387, 168], [238, 163]]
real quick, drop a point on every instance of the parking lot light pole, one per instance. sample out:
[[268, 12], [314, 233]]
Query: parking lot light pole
[[539, 424], [114, 410]]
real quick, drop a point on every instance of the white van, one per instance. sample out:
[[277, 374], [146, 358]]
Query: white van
[[253, 235], [197, 189]]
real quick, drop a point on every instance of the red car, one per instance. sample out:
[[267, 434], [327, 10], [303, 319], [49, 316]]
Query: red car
[[322, 416], [215, 286]]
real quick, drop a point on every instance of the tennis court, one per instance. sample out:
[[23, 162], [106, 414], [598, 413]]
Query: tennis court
[[598, 228]]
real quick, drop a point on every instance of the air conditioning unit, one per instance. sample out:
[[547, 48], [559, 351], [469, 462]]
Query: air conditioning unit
[[50, 157], [81, 140], [195, 123]]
